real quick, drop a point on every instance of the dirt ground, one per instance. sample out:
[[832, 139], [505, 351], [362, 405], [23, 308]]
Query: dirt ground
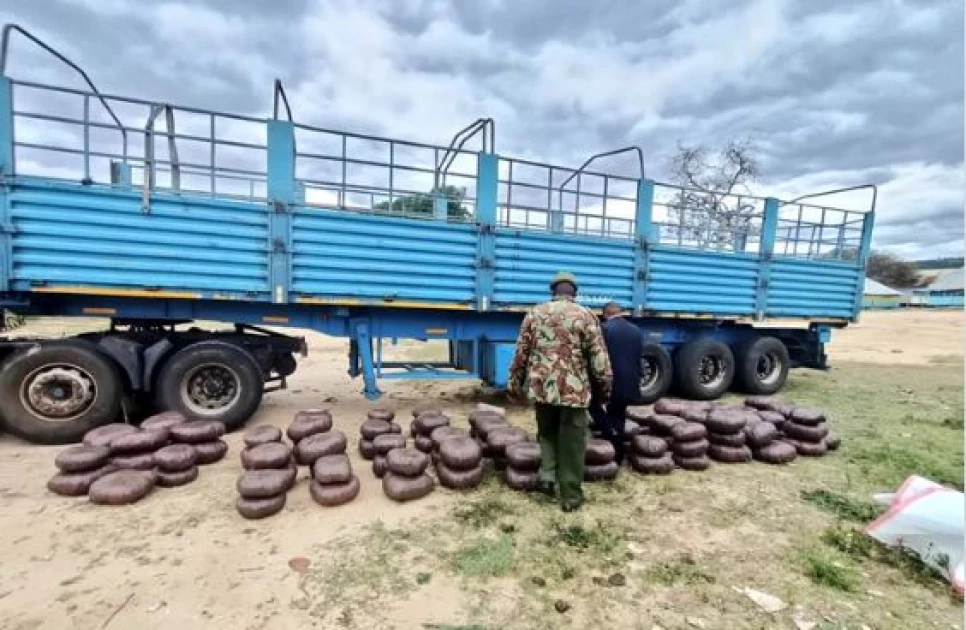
[[184, 558]]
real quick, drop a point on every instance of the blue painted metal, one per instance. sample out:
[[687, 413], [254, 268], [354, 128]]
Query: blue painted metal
[[6, 171], [487, 174], [861, 261], [281, 196], [718, 284], [769, 228], [644, 238], [363, 340], [814, 289]]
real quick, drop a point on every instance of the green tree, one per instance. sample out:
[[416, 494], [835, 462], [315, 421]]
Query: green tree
[[425, 204]]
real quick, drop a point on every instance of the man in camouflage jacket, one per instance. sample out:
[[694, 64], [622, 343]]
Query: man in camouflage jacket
[[562, 357]]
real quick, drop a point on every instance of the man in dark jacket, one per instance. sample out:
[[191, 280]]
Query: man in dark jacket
[[624, 341]]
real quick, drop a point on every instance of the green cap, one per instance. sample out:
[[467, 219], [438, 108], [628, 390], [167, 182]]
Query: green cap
[[563, 276]]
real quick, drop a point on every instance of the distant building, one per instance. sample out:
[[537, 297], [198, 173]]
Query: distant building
[[877, 295], [945, 289]]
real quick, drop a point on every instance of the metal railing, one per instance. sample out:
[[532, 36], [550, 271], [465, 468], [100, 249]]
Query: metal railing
[[709, 220], [813, 231]]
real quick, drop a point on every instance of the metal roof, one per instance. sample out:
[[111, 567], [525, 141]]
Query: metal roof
[[877, 288], [947, 280]]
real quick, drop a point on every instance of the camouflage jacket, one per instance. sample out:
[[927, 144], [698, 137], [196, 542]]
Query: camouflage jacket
[[562, 351]]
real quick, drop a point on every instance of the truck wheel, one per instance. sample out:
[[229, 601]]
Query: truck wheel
[[58, 392], [763, 365], [656, 373], [211, 380], [704, 369]]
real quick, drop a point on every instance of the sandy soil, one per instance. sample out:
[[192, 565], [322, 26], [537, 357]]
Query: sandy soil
[[184, 558]]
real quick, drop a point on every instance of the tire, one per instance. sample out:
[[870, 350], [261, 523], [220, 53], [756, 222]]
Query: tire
[[657, 373], [234, 367], [704, 369], [76, 364], [762, 366]]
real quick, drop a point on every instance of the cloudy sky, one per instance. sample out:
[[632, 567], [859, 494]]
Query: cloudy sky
[[832, 93]]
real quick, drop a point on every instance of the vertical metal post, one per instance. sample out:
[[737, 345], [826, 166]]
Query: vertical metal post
[[211, 155], [281, 198], [392, 164], [643, 241], [861, 260], [555, 218], [363, 340], [6, 171], [342, 198], [769, 228], [87, 140], [487, 178]]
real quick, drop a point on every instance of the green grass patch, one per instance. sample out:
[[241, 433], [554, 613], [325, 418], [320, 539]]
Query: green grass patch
[[843, 507], [892, 463], [826, 570], [486, 558], [859, 546], [483, 513], [681, 570], [601, 538]]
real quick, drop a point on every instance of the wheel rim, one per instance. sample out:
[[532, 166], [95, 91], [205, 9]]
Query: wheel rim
[[209, 389], [58, 392], [711, 371], [650, 373], [768, 368]]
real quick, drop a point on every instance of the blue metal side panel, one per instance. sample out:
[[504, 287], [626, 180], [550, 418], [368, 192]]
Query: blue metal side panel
[[338, 254], [945, 301], [690, 281], [97, 237], [813, 288], [526, 262]]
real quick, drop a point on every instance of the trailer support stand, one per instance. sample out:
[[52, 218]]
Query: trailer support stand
[[362, 339]]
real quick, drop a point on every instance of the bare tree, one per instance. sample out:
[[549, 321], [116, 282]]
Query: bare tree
[[710, 203]]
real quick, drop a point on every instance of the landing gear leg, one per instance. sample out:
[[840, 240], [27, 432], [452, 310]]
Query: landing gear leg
[[363, 348]]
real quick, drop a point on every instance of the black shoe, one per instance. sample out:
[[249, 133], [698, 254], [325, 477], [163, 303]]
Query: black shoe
[[571, 506], [547, 488]]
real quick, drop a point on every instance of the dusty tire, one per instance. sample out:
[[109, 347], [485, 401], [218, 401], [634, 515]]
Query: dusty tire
[[649, 446], [425, 425], [760, 434], [197, 431], [776, 453], [762, 366], [122, 487], [735, 440], [265, 483], [832, 441], [29, 410], [459, 479], [146, 441], [102, 436], [460, 453], [806, 416], [334, 495], [266, 456], [388, 442], [662, 424], [688, 432], [403, 489], [182, 383], [657, 373], [141, 461], [695, 464], [729, 454], [210, 452], [319, 445], [691, 448], [407, 462], [524, 456], [332, 469], [164, 421], [260, 508], [165, 479], [367, 449], [176, 458], [662, 465], [599, 453], [601, 472], [76, 484], [371, 429], [704, 369], [379, 466], [804, 433], [423, 443], [79, 459], [309, 422], [522, 481], [262, 434], [726, 421]]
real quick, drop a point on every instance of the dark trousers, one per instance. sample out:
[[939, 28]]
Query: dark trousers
[[562, 432], [610, 423]]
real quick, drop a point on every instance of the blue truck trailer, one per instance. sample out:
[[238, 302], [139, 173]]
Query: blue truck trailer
[[156, 215]]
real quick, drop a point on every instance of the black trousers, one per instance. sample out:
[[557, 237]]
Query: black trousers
[[609, 423]]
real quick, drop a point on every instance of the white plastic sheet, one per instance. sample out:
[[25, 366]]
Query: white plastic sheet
[[927, 519]]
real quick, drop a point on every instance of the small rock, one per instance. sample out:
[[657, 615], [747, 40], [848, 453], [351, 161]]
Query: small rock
[[802, 622], [561, 606], [617, 579], [876, 593], [538, 581], [299, 564], [635, 549], [156, 607], [695, 622], [768, 603]]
